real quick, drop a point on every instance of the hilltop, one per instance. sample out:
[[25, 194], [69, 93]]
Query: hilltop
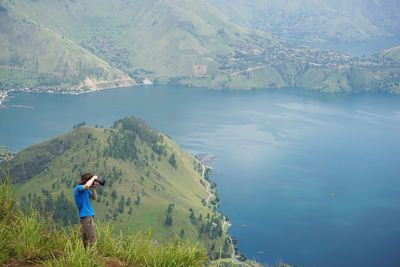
[[151, 183], [73, 46]]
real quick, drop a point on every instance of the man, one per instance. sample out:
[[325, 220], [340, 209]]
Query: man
[[83, 192]]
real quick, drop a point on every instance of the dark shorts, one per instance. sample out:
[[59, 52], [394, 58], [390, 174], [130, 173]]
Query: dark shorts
[[88, 231]]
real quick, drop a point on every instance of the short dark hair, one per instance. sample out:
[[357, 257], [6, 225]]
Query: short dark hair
[[86, 177]]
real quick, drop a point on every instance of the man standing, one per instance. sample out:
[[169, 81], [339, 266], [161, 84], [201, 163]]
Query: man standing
[[83, 192]]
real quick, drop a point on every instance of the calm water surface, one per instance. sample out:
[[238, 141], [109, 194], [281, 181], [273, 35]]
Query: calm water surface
[[312, 179]]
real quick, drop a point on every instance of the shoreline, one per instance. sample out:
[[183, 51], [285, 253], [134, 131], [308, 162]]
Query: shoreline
[[5, 93], [211, 195]]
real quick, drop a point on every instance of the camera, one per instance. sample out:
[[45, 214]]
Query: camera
[[101, 182]]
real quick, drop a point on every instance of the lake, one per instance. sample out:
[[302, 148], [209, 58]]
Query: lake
[[312, 179]]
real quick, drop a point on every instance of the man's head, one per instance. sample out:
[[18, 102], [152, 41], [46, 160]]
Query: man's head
[[85, 177]]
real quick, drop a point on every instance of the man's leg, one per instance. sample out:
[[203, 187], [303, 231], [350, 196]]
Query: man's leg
[[88, 231]]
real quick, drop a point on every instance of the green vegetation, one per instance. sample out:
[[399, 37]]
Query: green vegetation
[[28, 238], [144, 188], [56, 45]]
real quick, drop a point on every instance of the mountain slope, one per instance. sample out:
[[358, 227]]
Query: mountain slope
[[192, 43], [317, 20], [150, 182], [168, 38], [33, 55]]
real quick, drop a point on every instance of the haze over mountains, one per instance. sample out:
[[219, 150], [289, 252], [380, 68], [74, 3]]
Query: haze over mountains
[[76, 45], [317, 20]]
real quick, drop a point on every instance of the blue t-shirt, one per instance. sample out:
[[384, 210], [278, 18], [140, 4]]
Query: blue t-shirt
[[82, 200]]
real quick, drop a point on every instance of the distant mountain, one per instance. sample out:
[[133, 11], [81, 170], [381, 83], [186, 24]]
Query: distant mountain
[[76, 45], [317, 20], [151, 183], [155, 39], [34, 55]]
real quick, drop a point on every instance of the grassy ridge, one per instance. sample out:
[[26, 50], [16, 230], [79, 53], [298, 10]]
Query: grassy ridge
[[144, 188]]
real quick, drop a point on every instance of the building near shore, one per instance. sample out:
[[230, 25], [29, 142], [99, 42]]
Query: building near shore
[[3, 95]]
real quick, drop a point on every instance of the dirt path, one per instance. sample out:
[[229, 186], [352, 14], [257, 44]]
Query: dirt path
[[247, 70], [208, 185]]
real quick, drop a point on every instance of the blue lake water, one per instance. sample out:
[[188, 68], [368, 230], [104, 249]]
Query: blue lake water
[[313, 179]]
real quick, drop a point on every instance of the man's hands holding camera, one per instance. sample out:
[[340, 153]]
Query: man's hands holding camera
[[91, 182], [94, 182]]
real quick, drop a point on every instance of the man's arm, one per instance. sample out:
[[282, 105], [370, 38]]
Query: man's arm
[[90, 182], [94, 193]]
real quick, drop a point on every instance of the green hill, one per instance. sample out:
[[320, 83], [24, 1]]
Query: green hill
[[35, 56], [156, 39], [168, 42], [151, 184]]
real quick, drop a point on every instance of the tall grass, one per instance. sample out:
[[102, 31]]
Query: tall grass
[[7, 199], [75, 254], [139, 250], [28, 238]]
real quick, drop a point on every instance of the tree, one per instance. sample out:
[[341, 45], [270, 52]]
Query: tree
[[172, 161], [128, 201], [114, 195], [207, 173], [137, 201], [226, 245], [213, 247], [202, 229], [121, 205], [170, 207], [168, 220], [192, 216]]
